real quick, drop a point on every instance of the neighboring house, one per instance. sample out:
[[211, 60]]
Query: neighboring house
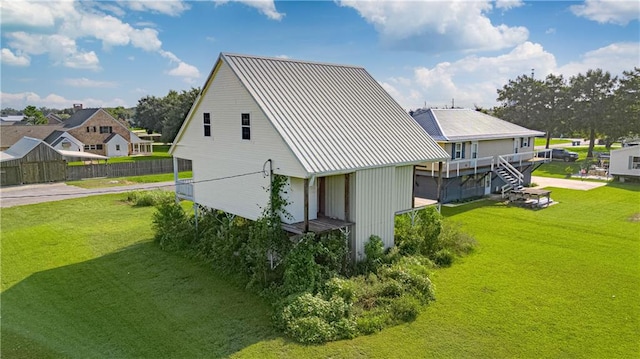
[[9, 135], [53, 119], [346, 147], [625, 163], [486, 154], [91, 130], [31, 160], [11, 120]]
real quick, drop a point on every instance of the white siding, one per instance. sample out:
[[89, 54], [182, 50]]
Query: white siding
[[620, 164], [226, 154], [403, 188], [373, 211], [334, 197], [117, 142], [295, 196]]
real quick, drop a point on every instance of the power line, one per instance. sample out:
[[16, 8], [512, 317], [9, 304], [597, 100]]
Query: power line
[[118, 189]]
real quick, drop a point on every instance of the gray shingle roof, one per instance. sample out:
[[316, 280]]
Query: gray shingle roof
[[79, 117], [9, 135], [333, 117], [450, 125]]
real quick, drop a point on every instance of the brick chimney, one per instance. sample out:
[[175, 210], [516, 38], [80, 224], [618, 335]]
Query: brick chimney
[[77, 107]]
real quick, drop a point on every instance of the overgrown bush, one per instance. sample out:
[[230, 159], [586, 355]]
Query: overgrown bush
[[173, 228], [149, 198]]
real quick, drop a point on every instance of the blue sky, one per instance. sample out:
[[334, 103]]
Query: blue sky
[[112, 53]]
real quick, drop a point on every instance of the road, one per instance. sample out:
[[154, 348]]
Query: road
[[48, 192]]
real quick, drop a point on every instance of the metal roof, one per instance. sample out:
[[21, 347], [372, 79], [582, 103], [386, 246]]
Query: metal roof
[[333, 117], [22, 148], [450, 125]]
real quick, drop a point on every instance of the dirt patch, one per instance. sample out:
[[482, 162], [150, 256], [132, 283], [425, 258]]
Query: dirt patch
[[635, 217]]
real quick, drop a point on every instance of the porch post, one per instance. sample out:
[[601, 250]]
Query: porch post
[[439, 185], [175, 176], [346, 197], [306, 205]]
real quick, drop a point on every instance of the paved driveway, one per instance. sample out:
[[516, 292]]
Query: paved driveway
[[566, 183], [48, 192]]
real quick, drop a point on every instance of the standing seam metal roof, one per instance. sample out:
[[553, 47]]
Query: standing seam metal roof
[[467, 124], [333, 117]]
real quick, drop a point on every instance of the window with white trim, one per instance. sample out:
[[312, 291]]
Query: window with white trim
[[634, 163], [246, 126], [457, 151], [474, 149]]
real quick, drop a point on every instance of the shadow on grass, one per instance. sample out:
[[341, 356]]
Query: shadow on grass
[[465, 207], [138, 302], [629, 186]]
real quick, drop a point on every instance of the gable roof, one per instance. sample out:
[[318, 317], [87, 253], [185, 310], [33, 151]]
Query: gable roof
[[450, 125], [332, 117], [9, 135], [79, 117], [22, 148]]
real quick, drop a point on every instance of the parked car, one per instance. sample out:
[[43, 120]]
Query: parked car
[[562, 155]]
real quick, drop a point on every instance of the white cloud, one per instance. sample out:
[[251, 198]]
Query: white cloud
[[61, 49], [615, 58], [435, 26], [188, 72], [266, 7], [508, 4], [613, 11], [61, 23], [474, 80], [21, 100], [551, 30], [172, 8], [85, 82], [11, 59]]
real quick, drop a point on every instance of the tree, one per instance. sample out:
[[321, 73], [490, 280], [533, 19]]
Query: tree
[[626, 106], [554, 100], [592, 104], [165, 115], [33, 116]]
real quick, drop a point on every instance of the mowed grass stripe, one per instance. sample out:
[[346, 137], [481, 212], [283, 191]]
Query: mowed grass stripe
[[559, 282]]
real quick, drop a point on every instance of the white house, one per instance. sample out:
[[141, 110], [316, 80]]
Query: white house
[[347, 148], [117, 146], [485, 154], [625, 163]]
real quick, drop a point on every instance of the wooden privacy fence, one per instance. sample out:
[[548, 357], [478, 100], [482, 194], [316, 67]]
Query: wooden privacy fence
[[126, 169]]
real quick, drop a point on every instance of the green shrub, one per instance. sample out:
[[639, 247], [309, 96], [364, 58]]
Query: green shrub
[[455, 240], [302, 273], [370, 324], [405, 309], [149, 198], [443, 258], [172, 226]]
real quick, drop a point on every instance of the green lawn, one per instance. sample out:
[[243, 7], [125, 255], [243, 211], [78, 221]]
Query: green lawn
[[554, 141], [81, 279], [556, 169], [159, 152], [123, 181]]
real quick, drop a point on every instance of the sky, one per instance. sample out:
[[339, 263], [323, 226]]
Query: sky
[[424, 53]]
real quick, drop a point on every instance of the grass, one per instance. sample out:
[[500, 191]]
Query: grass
[[81, 279], [159, 152], [554, 141], [556, 169], [123, 181]]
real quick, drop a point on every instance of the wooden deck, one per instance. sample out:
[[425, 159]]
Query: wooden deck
[[320, 225]]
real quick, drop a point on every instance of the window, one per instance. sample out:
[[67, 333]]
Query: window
[[117, 147], [206, 119], [634, 164], [98, 147], [92, 147], [457, 151], [474, 150], [88, 129], [106, 129], [87, 147], [246, 126], [524, 142]]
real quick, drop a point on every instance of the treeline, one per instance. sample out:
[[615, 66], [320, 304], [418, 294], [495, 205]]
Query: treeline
[[591, 105], [165, 115]]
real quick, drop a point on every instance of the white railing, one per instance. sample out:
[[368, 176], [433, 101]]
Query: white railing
[[503, 163], [184, 188]]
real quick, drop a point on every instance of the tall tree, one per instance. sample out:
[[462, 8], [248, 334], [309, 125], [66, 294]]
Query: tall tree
[[592, 105], [33, 116], [554, 101], [627, 106], [165, 115]]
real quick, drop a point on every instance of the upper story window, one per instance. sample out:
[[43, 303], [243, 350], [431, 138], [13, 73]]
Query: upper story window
[[634, 163], [458, 151], [474, 150], [106, 129], [524, 141], [206, 120], [246, 126]]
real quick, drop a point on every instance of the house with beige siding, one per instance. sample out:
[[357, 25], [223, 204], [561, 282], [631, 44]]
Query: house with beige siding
[[347, 149], [485, 155]]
